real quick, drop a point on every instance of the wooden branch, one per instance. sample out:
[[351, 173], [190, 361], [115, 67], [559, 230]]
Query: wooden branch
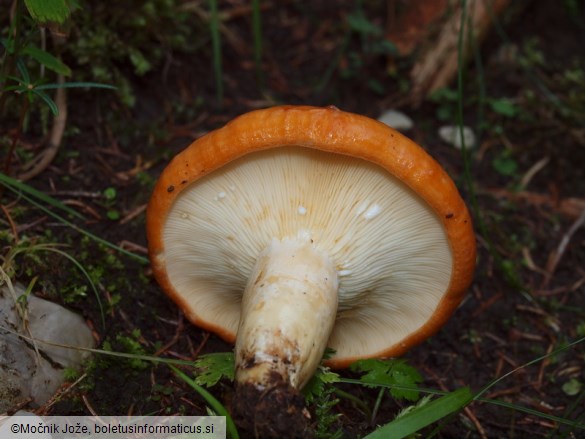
[[437, 63], [44, 159]]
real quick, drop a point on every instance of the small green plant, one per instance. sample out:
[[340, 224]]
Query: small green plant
[[505, 164], [372, 45], [395, 376], [400, 378], [446, 100], [211, 368], [216, 407], [110, 194], [31, 253], [504, 107], [16, 80], [323, 404], [215, 35], [159, 392], [531, 54], [321, 394], [46, 204], [362, 45], [130, 345], [71, 374], [573, 387], [121, 40]]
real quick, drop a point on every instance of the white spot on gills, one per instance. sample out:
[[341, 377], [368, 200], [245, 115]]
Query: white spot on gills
[[372, 211]]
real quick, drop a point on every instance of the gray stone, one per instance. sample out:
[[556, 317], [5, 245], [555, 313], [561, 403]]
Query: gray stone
[[24, 374]]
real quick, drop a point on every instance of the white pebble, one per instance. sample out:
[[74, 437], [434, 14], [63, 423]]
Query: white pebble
[[451, 135], [396, 119]]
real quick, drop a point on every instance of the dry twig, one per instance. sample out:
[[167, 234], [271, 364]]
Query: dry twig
[[534, 169], [556, 255], [438, 64], [44, 159], [11, 222], [570, 207]]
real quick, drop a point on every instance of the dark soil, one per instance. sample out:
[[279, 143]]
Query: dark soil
[[276, 412], [528, 296]]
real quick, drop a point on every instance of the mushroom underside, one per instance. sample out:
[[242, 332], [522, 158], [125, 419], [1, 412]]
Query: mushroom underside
[[291, 250], [389, 249], [384, 245]]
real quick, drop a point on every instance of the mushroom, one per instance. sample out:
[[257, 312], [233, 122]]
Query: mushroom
[[295, 228]]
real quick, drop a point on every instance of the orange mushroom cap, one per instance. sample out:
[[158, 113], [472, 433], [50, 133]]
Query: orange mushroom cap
[[280, 130]]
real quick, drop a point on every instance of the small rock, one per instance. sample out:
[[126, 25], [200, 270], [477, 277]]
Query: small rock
[[23, 374], [451, 135], [397, 120]]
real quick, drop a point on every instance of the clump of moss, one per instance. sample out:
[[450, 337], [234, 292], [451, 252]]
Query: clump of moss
[[111, 44]]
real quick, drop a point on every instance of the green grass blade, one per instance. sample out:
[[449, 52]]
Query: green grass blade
[[20, 88], [424, 416], [257, 31], [64, 221], [47, 99], [528, 71], [334, 65], [23, 71], [150, 358], [18, 187], [49, 61], [90, 235], [82, 269], [530, 363], [216, 47], [464, 149], [465, 153], [478, 396], [575, 404], [75, 85], [210, 399], [532, 412]]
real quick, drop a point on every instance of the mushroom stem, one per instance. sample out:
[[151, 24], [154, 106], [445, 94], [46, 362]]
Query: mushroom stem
[[288, 312]]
